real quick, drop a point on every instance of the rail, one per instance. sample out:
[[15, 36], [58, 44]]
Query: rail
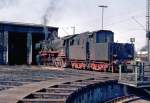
[[121, 99]]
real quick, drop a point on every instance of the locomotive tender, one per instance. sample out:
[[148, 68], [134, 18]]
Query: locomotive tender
[[90, 50]]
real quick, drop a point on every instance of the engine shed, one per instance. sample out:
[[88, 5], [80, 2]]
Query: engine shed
[[18, 40]]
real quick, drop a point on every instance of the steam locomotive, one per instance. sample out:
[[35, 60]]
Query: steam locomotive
[[89, 50]]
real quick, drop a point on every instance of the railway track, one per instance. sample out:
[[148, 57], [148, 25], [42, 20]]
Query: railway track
[[129, 99], [14, 76], [122, 99], [24, 84], [59, 93], [37, 85]]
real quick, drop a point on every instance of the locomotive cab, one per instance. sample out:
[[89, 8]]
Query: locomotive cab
[[104, 36]]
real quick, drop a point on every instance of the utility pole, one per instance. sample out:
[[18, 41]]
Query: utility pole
[[103, 6], [74, 30], [132, 40], [148, 27]]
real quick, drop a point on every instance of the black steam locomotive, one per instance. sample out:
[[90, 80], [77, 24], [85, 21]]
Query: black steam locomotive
[[90, 50]]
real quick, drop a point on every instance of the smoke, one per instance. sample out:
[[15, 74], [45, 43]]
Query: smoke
[[53, 5]]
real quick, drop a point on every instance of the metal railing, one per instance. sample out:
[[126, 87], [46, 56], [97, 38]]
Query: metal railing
[[138, 76]]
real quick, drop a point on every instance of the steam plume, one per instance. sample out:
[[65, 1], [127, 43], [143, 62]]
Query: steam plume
[[48, 14]]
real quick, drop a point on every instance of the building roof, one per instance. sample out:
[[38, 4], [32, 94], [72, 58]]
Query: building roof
[[24, 27], [85, 33], [69, 36], [25, 24]]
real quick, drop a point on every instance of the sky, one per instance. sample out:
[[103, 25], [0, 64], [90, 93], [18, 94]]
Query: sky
[[85, 15]]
